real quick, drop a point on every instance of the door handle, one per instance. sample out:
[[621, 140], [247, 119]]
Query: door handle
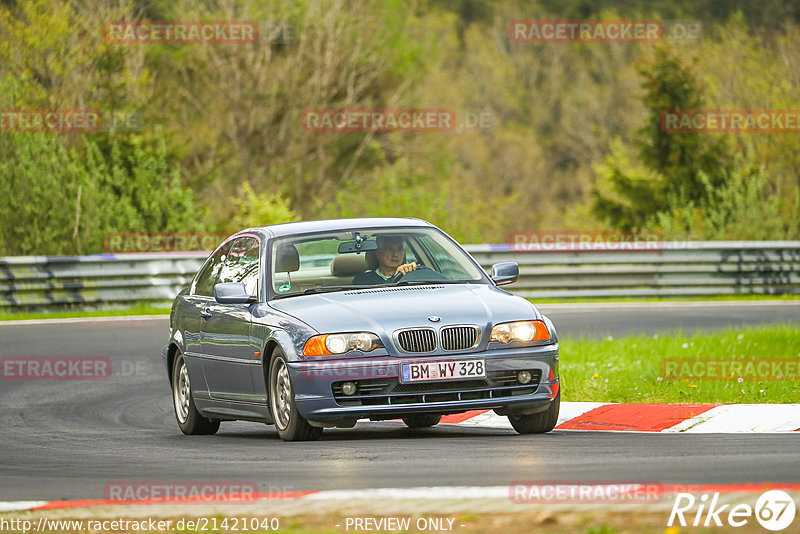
[[206, 313]]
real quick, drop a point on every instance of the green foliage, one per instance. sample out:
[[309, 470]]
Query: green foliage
[[39, 188], [626, 193], [138, 189], [58, 51], [252, 209], [573, 142], [671, 84], [690, 185], [62, 200], [394, 191], [744, 207], [423, 190], [674, 167]]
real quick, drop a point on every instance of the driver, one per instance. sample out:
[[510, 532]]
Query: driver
[[390, 255]]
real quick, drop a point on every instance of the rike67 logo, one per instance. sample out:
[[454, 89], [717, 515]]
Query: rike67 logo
[[774, 510]]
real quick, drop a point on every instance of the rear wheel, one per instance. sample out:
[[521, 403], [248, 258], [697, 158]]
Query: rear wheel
[[189, 419], [537, 423], [423, 420], [290, 424]]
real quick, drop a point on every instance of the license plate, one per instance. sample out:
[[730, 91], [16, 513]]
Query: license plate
[[446, 370]]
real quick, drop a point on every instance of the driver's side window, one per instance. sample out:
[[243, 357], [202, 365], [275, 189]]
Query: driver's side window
[[240, 264], [204, 286]]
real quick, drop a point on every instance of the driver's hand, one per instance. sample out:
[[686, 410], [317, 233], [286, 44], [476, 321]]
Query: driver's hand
[[406, 268]]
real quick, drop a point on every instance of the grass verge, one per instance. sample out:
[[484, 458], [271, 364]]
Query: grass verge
[[139, 309], [650, 369]]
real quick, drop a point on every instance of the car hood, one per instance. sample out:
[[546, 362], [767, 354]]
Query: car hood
[[384, 310]]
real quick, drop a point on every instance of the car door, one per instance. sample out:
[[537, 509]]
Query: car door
[[228, 351], [201, 293]]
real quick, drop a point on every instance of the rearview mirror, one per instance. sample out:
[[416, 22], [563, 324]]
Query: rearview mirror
[[349, 247], [505, 273], [232, 293]]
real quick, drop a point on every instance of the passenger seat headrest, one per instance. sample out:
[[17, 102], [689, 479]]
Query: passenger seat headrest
[[348, 264], [287, 259], [371, 260]]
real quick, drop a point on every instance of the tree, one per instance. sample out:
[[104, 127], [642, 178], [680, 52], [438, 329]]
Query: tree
[[672, 168]]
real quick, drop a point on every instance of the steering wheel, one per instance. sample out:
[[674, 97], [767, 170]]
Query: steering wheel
[[421, 273]]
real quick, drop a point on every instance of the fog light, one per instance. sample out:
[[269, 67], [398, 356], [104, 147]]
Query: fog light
[[348, 388], [524, 377]]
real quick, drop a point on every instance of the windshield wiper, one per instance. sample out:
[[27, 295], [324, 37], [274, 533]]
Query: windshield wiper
[[422, 282], [330, 289], [326, 289]]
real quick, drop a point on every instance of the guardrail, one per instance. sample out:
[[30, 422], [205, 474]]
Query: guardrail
[[664, 269]]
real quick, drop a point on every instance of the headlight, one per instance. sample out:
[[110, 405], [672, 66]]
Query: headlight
[[520, 331], [328, 344]]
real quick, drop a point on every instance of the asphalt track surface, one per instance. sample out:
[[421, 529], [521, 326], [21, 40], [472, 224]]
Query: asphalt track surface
[[68, 439]]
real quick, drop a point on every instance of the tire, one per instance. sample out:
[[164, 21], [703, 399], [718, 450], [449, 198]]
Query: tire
[[422, 420], [290, 424], [537, 423], [189, 419]]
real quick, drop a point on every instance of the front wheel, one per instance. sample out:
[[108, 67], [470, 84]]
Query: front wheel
[[190, 421], [422, 420], [290, 424], [537, 423]]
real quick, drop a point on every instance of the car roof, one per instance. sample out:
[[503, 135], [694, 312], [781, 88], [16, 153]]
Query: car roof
[[303, 227]]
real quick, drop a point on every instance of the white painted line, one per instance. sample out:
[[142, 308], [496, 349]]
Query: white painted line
[[487, 420], [738, 418], [67, 320], [17, 506], [687, 424]]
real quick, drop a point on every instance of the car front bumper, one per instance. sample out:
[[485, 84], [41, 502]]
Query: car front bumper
[[314, 383]]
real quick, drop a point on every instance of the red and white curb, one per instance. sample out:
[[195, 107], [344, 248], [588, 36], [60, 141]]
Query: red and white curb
[[421, 500], [692, 418]]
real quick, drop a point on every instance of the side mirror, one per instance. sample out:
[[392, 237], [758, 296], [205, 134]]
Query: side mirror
[[505, 273], [232, 293]]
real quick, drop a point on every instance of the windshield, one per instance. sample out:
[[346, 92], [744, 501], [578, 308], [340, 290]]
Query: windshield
[[336, 261]]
